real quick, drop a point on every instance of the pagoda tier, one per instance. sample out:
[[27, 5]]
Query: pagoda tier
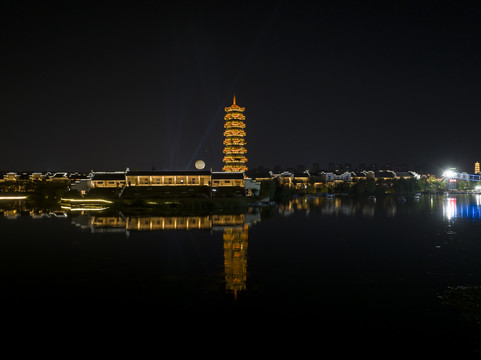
[[234, 132], [232, 150], [234, 142]]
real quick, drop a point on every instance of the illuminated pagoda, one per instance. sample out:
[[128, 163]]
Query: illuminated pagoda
[[234, 143]]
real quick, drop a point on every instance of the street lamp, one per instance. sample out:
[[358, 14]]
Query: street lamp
[[449, 174]]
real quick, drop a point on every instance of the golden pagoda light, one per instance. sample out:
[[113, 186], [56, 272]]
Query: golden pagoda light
[[234, 150]]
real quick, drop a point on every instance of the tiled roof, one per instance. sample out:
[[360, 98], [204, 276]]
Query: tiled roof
[[168, 173], [108, 176], [227, 175]]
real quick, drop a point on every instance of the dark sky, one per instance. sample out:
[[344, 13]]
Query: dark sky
[[108, 85]]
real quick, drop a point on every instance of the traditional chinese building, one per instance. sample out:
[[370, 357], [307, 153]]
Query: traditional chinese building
[[114, 179], [221, 179], [234, 142], [168, 178]]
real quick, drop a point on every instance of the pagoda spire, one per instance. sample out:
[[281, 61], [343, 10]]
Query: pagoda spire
[[233, 103]]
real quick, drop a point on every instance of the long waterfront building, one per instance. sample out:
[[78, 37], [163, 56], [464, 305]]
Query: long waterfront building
[[200, 178]]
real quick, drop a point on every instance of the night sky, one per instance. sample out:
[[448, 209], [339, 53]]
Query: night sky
[[92, 85]]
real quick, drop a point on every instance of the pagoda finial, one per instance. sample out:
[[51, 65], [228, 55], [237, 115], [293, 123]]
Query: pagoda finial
[[234, 100]]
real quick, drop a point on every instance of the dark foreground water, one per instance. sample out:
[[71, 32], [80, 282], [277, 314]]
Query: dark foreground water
[[338, 276]]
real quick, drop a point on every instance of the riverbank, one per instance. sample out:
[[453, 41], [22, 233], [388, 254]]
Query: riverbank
[[169, 200], [154, 205]]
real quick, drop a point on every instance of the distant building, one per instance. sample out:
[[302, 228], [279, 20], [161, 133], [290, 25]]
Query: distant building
[[363, 175], [108, 179], [123, 180], [259, 174], [476, 168], [385, 174], [11, 176], [301, 179], [170, 178], [407, 175], [58, 176], [284, 178], [36, 176], [220, 179], [330, 177]]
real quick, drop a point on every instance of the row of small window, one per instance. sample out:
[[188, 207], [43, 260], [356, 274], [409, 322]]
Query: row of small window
[[169, 181], [237, 183], [178, 221]]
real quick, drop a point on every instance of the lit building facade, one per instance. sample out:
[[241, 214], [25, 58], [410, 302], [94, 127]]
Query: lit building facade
[[234, 142], [169, 178], [204, 180], [476, 168], [108, 179], [220, 179]]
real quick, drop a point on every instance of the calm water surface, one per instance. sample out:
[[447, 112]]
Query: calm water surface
[[339, 275]]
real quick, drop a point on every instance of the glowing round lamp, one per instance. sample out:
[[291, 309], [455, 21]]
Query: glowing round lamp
[[199, 164], [449, 174]]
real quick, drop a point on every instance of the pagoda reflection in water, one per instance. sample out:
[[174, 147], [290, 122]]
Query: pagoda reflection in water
[[235, 258], [234, 227], [116, 223]]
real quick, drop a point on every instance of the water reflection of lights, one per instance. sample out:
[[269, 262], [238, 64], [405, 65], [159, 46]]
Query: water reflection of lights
[[86, 201], [69, 208], [13, 197], [449, 209], [459, 206], [234, 227], [463, 208], [331, 206]]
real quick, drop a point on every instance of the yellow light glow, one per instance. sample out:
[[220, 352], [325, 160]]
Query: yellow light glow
[[234, 142], [13, 197], [82, 209], [234, 124], [88, 200]]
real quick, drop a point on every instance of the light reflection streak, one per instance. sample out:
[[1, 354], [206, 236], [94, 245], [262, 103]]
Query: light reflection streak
[[466, 206], [462, 208], [87, 200], [68, 208], [234, 227], [449, 209]]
